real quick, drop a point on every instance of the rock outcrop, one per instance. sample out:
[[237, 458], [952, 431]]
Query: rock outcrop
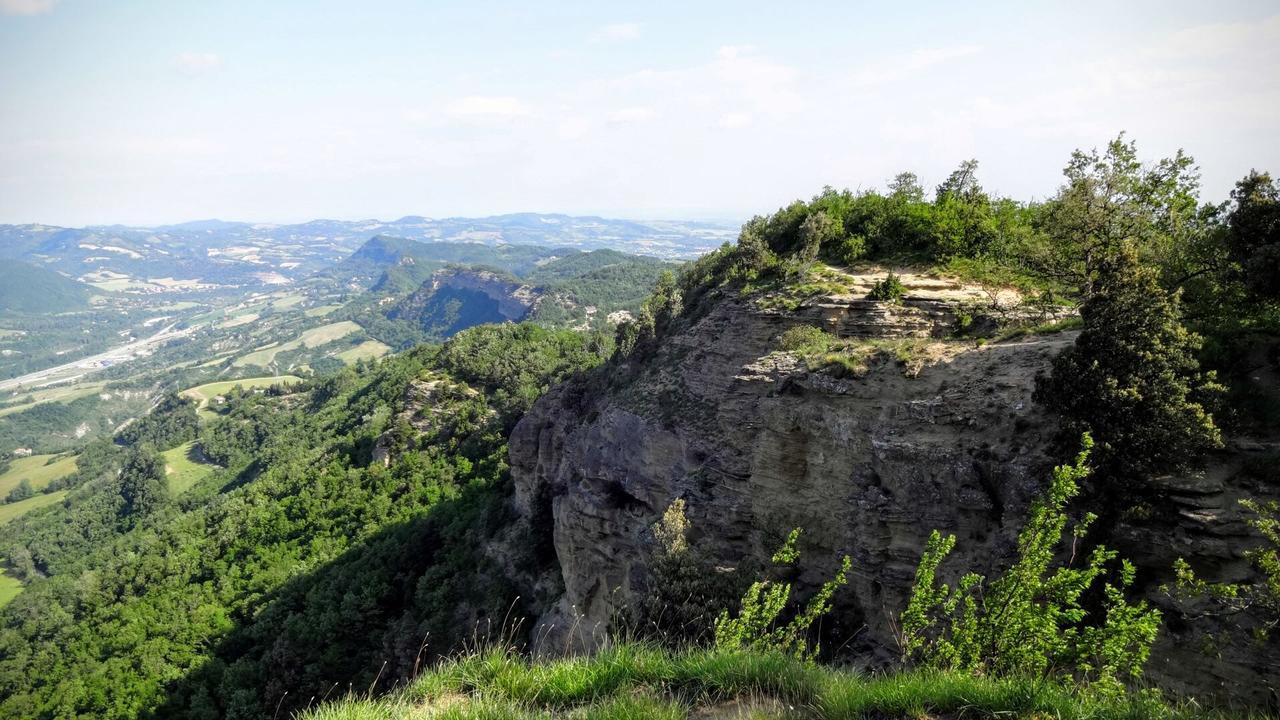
[[513, 299], [757, 443]]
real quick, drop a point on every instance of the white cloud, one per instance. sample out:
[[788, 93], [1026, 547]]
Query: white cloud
[[497, 106], [26, 7], [197, 62], [892, 69], [630, 115], [616, 32], [735, 120], [573, 127]]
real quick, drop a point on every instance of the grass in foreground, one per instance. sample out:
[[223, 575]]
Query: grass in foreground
[[632, 682]]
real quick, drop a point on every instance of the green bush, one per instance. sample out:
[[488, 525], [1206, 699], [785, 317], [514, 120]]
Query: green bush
[[686, 592], [890, 289], [805, 339], [1031, 621], [756, 626], [1132, 378]]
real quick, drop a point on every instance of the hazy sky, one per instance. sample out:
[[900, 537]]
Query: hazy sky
[[163, 111]]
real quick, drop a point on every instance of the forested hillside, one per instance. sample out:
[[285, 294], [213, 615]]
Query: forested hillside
[[28, 288], [300, 563]]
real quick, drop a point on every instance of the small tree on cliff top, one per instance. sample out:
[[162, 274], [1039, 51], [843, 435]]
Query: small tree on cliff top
[[1132, 378]]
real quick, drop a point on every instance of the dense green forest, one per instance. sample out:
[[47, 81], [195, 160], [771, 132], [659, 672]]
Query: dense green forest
[[306, 563], [299, 564], [29, 288]]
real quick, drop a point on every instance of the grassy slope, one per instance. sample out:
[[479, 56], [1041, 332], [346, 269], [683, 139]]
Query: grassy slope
[[12, 510], [312, 338], [213, 389], [31, 288], [37, 470], [9, 588], [183, 471], [202, 394], [633, 682], [366, 350], [60, 393]]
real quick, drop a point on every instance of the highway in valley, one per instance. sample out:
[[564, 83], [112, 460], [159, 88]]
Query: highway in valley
[[84, 366]]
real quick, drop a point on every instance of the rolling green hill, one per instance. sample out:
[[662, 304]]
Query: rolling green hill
[[29, 288]]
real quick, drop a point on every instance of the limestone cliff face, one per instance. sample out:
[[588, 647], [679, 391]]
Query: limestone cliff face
[[756, 444], [511, 300]]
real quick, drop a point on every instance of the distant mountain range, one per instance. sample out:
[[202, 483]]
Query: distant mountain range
[[237, 253]]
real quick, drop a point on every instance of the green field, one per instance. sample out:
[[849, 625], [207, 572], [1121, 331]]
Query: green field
[[183, 467], [37, 470], [180, 305], [60, 393], [321, 310], [9, 588], [366, 350], [18, 509], [204, 393], [287, 301], [221, 358], [315, 337], [123, 284], [238, 320]]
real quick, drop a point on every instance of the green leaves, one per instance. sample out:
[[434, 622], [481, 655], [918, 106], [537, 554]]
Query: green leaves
[[1030, 621], [1132, 378], [757, 626]]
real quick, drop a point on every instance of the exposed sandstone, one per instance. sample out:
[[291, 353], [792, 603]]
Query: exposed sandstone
[[757, 443]]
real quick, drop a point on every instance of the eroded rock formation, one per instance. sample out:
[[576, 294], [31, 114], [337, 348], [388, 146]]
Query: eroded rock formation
[[757, 443]]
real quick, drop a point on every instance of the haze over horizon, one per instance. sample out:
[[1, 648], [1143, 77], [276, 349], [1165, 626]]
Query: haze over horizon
[[144, 114]]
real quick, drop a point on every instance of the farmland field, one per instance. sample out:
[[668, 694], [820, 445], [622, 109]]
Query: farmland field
[[208, 391], [60, 393], [287, 301], [315, 337], [321, 310], [18, 509], [37, 470], [367, 350]]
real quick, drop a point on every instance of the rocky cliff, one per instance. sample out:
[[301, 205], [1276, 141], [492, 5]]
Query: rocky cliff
[[933, 433], [454, 299]]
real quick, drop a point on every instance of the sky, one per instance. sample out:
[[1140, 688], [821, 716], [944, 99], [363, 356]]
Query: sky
[[118, 111]]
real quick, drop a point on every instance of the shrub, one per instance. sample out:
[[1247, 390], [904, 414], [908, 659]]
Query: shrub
[[890, 289], [1261, 597], [1030, 622], [805, 339], [21, 492], [686, 593], [756, 626], [849, 249]]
